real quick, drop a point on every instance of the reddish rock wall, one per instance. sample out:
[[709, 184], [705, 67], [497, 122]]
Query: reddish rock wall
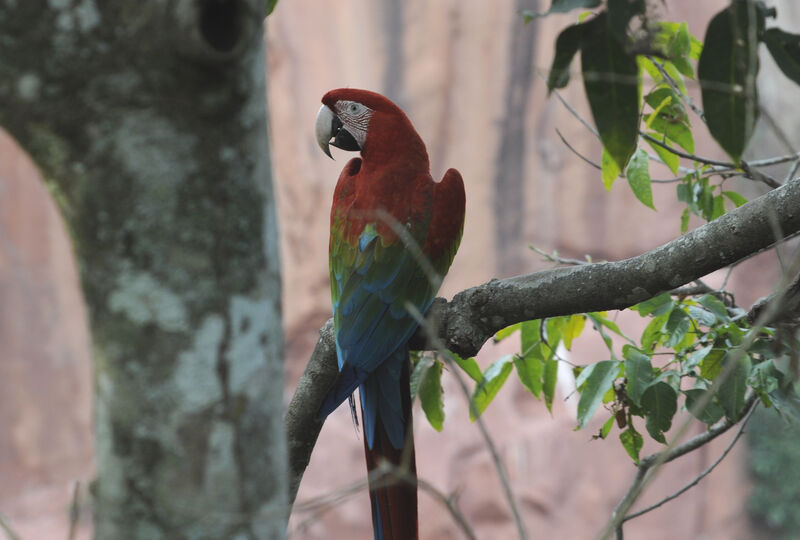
[[467, 75]]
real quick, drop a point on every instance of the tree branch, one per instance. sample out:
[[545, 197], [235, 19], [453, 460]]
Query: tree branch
[[702, 475], [665, 456], [476, 314]]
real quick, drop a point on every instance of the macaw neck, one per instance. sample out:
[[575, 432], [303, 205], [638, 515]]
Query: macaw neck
[[393, 143]]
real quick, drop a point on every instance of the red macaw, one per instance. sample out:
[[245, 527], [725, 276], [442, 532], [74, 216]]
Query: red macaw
[[394, 233]]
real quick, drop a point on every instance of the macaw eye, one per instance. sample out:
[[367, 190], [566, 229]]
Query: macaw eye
[[354, 108]]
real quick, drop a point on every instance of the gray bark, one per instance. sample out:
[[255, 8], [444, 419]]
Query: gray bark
[[465, 323], [148, 120]]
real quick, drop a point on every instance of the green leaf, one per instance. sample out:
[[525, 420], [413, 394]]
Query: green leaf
[[530, 369], [632, 442], [657, 110], [785, 50], [677, 131], [599, 318], [573, 329], [638, 174], [670, 160], [694, 357], [670, 377], [677, 326], [506, 332], [715, 306], [719, 207], [736, 198], [732, 390], [493, 379], [549, 382], [555, 330], [530, 336], [560, 6], [419, 364], [674, 110], [606, 429], [650, 68], [567, 44], [638, 372], [703, 316], [675, 42], [710, 414], [764, 377], [600, 379], [609, 170], [684, 220], [660, 402], [711, 365], [610, 76], [657, 305], [680, 49], [430, 393], [470, 367], [675, 75], [727, 70], [653, 332], [271, 7]]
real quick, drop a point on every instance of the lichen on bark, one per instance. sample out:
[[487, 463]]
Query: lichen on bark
[[149, 122]]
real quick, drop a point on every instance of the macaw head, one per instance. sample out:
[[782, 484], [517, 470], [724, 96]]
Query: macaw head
[[360, 120]]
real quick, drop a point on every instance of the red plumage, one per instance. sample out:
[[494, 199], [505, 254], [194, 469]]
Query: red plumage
[[375, 272]]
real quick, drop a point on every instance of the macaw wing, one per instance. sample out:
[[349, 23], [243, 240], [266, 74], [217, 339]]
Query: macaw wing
[[370, 297]]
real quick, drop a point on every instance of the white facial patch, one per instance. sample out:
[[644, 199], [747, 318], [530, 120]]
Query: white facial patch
[[355, 118]]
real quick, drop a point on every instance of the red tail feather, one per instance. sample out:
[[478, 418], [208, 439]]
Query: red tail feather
[[394, 497]]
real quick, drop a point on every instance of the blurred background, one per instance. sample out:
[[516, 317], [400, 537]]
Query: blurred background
[[470, 77]]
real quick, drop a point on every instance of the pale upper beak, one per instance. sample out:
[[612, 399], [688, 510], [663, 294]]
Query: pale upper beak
[[323, 128]]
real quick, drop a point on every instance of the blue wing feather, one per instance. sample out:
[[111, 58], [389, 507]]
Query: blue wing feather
[[373, 326]]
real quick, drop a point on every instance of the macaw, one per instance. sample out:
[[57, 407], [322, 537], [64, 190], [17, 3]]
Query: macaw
[[394, 233]]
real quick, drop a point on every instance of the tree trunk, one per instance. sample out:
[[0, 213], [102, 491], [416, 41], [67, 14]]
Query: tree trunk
[[148, 120]]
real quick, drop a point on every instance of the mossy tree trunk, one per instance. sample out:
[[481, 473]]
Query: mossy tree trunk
[[148, 120]]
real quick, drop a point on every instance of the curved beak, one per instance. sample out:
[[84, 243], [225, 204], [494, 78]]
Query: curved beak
[[324, 128], [330, 131]]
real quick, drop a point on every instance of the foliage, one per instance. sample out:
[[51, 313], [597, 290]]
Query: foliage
[[775, 469], [698, 352]]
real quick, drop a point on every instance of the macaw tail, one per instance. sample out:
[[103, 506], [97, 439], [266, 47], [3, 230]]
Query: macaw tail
[[393, 497]]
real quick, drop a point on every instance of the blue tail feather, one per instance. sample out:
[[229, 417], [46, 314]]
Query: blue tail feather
[[346, 383]]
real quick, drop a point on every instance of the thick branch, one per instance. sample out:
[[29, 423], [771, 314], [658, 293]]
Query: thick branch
[[474, 315], [301, 417]]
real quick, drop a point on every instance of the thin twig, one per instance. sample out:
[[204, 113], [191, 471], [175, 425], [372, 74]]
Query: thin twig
[[660, 458], [750, 172], [437, 344], [703, 474], [386, 474], [686, 155], [792, 171], [584, 158], [673, 450], [554, 257], [774, 160], [728, 273], [675, 88], [7, 529], [569, 107], [692, 290], [745, 168]]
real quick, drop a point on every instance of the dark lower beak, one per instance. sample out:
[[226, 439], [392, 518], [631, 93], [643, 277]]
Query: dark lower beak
[[329, 130], [341, 137]]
